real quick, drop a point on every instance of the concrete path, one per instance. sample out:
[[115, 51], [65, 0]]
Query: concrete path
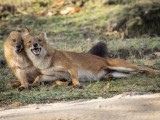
[[122, 107]]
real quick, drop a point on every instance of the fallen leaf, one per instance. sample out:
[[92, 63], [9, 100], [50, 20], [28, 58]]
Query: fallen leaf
[[150, 62], [70, 10], [15, 104]]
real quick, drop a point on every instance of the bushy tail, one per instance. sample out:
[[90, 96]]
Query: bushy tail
[[99, 49], [120, 65]]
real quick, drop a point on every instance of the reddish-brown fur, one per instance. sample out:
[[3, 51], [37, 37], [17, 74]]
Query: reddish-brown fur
[[19, 63], [55, 64]]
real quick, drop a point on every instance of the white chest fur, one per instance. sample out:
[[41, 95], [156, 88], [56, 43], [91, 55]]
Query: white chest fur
[[86, 75]]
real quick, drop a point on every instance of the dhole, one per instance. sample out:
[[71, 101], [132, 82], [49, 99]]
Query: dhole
[[55, 64], [18, 61]]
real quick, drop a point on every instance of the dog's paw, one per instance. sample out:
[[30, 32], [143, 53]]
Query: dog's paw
[[21, 88], [79, 86]]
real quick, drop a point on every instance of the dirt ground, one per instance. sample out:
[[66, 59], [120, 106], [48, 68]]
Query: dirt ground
[[122, 107]]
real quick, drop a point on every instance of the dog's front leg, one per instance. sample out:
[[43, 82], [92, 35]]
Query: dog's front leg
[[43, 78], [74, 76], [22, 77]]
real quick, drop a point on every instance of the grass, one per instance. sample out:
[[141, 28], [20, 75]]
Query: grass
[[77, 32], [92, 90]]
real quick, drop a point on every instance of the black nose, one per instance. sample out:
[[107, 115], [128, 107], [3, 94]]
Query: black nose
[[18, 46], [35, 45]]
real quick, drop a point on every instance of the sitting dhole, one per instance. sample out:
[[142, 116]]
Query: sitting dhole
[[18, 61], [55, 64]]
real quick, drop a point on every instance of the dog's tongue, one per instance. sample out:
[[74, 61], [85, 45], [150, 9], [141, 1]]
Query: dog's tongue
[[36, 51]]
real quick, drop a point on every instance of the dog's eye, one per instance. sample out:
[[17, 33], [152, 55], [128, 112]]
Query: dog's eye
[[14, 40], [29, 41], [39, 40]]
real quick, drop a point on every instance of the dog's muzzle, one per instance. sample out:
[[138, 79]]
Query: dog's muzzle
[[19, 48], [36, 49]]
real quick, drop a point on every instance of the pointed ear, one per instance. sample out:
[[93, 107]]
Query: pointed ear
[[44, 35], [24, 32]]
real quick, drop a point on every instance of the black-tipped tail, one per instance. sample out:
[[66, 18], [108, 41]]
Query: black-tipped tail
[[99, 49]]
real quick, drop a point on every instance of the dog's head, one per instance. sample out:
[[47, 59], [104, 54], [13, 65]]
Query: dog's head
[[34, 44], [15, 41]]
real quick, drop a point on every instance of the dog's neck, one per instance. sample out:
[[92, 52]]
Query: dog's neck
[[44, 60], [19, 60]]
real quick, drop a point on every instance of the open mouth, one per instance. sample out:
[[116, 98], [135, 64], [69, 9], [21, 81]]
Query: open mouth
[[36, 51], [19, 49]]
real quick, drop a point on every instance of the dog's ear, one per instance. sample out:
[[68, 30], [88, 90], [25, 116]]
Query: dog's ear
[[44, 35], [24, 32]]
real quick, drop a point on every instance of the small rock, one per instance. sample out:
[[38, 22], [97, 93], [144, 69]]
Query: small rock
[[157, 54]]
